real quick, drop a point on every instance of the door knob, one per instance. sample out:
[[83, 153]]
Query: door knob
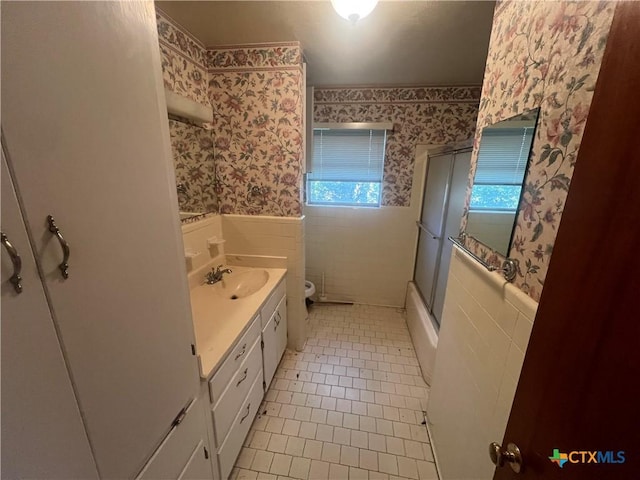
[[500, 456]]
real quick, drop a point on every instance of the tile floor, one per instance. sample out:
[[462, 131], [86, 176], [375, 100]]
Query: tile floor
[[350, 406]]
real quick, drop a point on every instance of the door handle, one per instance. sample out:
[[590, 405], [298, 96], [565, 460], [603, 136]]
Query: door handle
[[246, 414], [64, 265], [16, 279], [511, 455], [246, 371], [422, 227], [244, 349]]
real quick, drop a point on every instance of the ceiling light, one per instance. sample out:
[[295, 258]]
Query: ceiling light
[[354, 10]]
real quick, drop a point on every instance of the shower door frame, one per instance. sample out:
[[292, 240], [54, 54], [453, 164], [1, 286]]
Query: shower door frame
[[433, 153]]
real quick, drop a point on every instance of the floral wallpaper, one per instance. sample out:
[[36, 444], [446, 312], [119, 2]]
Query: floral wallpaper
[[192, 148], [183, 60], [256, 94], [428, 115], [255, 56], [547, 55]]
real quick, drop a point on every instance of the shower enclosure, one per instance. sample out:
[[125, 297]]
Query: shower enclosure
[[442, 205]]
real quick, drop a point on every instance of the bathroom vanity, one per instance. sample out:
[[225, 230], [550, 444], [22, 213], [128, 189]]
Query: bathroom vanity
[[241, 334]]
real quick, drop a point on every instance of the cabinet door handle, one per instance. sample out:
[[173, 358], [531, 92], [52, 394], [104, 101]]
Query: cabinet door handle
[[244, 349], [64, 265], [246, 414], [246, 371], [16, 279]]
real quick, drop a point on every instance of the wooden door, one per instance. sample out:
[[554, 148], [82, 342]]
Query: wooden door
[[42, 431], [578, 391], [84, 119]]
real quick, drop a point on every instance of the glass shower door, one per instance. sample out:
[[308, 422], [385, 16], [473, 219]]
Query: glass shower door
[[431, 225]]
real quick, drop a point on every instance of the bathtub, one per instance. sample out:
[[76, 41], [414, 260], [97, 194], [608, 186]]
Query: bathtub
[[423, 331]]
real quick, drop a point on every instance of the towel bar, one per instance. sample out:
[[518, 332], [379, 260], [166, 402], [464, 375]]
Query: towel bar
[[508, 269]]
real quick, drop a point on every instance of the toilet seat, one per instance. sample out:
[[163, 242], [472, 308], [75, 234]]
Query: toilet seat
[[309, 289]]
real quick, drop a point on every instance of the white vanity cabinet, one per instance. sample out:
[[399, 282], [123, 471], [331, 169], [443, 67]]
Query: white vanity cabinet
[[86, 139], [237, 387], [236, 392], [274, 332]]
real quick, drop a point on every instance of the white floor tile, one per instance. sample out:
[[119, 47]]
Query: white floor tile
[[359, 439], [388, 463], [278, 443], [300, 468], [262, 461], [324, 433], [407, 467], [349, 406], [319, 470], [331, 452], [295, 446], [308, 430], [338, 471], [369, 460], [313, 449], [281, 464], [358, 474], [377, 442], [427, 470], [349, 456]]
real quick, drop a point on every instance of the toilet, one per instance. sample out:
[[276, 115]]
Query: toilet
[[309, 290]]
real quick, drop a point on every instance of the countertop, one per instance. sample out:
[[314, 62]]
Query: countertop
[[219, 322]]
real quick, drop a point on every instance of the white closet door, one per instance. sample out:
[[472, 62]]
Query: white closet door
[[42, 431], [84, 118]]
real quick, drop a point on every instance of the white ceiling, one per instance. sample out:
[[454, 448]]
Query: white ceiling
[[400, 43]]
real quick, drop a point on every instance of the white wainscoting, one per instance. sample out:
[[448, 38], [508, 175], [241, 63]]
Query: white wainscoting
[[279, 237], [485, 330]]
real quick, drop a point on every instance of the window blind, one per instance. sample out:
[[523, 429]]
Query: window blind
[[503, 156], [347, 155]]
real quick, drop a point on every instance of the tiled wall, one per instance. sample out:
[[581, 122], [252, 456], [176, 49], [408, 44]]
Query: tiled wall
[[547, 55], [274, 236], [199, 255], [420, 115], [366, 254], [485, 329], [257, 98]]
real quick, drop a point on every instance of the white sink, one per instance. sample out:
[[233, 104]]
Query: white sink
[[241, 284]]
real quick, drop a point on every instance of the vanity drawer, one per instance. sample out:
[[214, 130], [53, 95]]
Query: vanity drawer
[[239, 353], [229, 451], [270, 305], [227, 406]]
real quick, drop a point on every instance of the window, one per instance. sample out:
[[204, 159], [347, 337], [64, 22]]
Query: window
[[502, 161], [347, 164]]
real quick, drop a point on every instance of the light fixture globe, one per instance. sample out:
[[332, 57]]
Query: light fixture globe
[[354, 10]]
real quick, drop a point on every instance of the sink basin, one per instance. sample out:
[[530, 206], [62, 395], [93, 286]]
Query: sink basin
[[241, 284]]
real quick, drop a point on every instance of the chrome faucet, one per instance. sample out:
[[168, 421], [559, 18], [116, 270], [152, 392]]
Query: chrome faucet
[[215, 275]]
